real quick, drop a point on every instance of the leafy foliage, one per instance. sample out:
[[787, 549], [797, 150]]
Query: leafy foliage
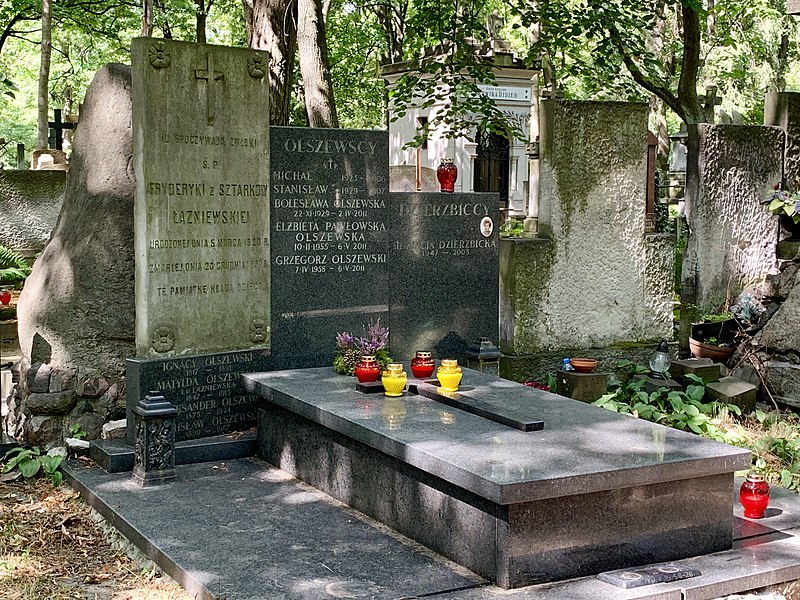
[[13, 267], [777, 450], [684, 410], [30, 461]]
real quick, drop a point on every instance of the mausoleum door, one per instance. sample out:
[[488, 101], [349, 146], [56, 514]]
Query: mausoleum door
[[491, 164]]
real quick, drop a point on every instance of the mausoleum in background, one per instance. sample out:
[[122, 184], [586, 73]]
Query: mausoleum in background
[[486, 161]]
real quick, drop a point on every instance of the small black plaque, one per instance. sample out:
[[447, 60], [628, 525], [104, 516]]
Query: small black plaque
[[370, 387], [648, 575], [205, 389]]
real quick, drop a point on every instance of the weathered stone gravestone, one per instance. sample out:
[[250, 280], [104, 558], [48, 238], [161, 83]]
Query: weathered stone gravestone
[[329, 195], [201, 158], [731, 247], [595, 277]]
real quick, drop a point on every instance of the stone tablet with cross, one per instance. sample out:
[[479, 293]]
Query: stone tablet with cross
[[201, 159]]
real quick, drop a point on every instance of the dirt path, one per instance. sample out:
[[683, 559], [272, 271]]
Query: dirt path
[[54, 547]]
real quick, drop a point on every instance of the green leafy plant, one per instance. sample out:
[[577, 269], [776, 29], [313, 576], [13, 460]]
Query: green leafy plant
[[776, 446], [683, 410], [13, 267], [782, 202], [31, 461], [512, 228], [77, 432]]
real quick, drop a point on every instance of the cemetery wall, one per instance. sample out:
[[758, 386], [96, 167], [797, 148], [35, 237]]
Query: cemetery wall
[[29, 202], [731, 247], [597, 279]]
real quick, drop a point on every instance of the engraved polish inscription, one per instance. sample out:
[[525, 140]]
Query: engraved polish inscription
[[202, 216]]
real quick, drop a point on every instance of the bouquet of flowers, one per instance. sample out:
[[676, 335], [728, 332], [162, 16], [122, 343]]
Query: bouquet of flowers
[[350, 349]]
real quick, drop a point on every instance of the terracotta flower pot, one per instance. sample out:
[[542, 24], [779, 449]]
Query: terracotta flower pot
[[583, 365], [716, 353]]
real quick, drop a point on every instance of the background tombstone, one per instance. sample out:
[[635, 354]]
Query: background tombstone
[[201, 157], [443, 272], [731, 247], [329, 239]]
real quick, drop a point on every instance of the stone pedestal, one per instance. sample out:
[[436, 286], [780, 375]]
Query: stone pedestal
[[731, 390], [586, 387], [154, 461], [702, 367], [656, 383]]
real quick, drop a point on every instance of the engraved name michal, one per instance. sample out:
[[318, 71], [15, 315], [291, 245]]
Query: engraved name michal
[[330, 219]]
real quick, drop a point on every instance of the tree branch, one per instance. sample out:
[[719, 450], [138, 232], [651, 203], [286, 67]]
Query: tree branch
[[692, 111], [660, 90]]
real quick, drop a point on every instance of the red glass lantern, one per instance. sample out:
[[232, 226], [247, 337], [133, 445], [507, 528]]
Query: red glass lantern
[[367, 369], [447, 173], [5, 296], [422, 365], [754, 496]]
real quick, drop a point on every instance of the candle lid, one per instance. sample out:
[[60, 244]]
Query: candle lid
[[755, 477]]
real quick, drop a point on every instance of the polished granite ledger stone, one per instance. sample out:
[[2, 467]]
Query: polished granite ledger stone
[[592, 491]]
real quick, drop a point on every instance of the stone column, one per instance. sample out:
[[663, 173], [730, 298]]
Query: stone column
[[531, 224]]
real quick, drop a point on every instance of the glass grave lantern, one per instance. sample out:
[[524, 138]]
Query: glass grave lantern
[[484, 356], [660, 362]]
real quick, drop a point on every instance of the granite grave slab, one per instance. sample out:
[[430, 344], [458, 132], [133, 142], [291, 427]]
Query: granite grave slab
[[330, 226], [516, 507], [243, 530], [444, 272]]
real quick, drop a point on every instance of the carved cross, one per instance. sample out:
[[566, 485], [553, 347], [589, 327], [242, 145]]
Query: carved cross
[[210, 76]]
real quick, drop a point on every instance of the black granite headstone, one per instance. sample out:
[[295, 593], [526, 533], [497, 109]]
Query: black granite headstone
[[444, 272], [205, 389], [329, 239]]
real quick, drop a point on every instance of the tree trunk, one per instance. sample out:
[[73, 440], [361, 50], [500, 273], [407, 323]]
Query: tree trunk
[[315, 65], [692, 110], [44, 76], [272, 26], [147, 18], [165, 28], [201, 16], [391, 15]]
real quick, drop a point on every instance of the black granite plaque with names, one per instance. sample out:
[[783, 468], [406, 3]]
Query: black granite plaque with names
[[205, 389], [329, 239], [648, 575], [444, 272]]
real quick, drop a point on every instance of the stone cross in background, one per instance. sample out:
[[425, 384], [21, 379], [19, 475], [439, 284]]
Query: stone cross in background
[[710, 101], [57, 127]]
